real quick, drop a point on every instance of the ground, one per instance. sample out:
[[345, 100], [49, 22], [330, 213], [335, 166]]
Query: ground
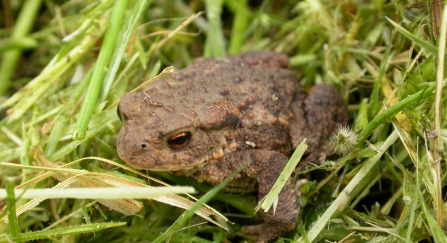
[[66, 64]]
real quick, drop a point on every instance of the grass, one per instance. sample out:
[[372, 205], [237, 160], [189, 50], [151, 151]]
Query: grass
[[65, 66]]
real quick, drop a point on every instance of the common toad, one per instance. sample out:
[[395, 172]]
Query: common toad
[[204, 121]]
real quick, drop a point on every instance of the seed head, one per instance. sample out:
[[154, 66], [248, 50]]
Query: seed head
[[344, 141]]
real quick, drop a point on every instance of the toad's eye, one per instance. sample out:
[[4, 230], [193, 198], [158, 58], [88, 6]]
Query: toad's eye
[[179, 140]]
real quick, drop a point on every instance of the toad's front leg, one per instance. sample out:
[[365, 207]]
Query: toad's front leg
[[318, 115], [265, 166]]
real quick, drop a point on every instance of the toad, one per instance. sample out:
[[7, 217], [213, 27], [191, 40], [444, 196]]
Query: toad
[[206, 120]]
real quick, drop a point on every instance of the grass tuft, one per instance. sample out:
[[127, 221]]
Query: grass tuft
[[65, 65]]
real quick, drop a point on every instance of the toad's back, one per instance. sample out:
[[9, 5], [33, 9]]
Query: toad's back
[[245, 99]]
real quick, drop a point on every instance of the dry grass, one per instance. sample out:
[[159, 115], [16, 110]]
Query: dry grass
[[59, 108]]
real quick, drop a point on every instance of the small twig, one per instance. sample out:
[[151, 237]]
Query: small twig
[[438, 144], [167, 32], [174, 32]]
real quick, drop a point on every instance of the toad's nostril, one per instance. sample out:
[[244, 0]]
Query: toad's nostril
[[144, 145]]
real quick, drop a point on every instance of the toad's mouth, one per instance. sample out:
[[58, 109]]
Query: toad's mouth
[[144, 162]]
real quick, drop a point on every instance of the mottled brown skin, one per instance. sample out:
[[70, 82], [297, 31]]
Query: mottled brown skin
[[206, 120]]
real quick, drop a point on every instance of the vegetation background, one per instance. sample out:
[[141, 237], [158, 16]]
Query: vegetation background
[[65, 64]]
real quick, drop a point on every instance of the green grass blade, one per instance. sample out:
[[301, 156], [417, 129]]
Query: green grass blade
[[412, 217], [389, 113], [362, 116], [18, 44], [435, 229], [376, 104], [270, 198], [96, 128], [11, 207], [10, 59], [56, 132], [214, 46], [125, 33], [78, 229], [240, 23], [94, 88], [427, 46], [34, 90]]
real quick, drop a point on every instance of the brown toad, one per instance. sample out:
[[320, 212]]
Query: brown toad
[[207, 119]]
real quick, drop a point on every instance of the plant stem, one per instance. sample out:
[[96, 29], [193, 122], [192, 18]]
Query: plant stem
[[11, 58]]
